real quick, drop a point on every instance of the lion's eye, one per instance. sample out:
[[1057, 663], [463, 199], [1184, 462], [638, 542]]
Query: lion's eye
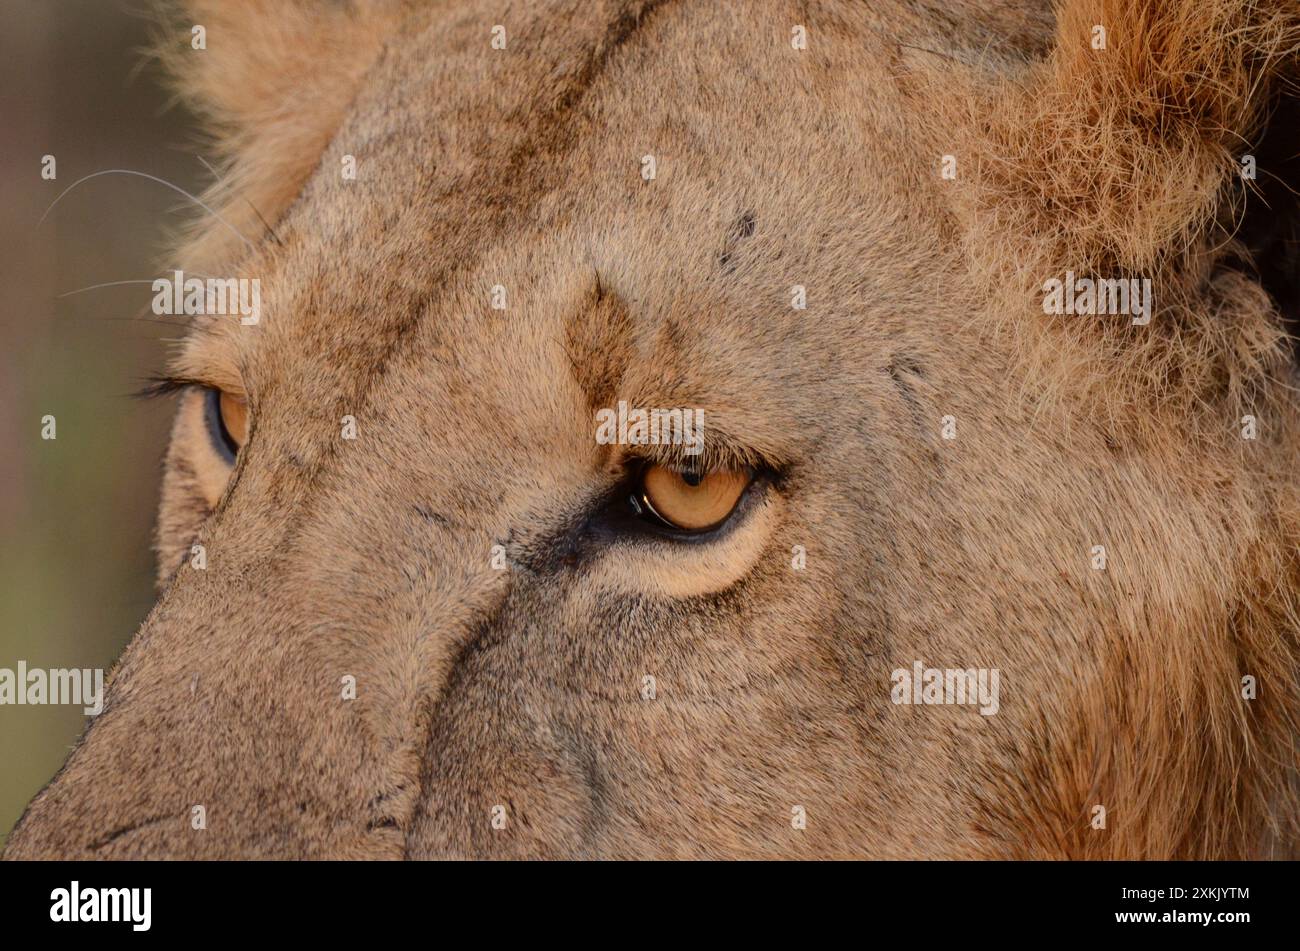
[[227, 419], [691, 501]]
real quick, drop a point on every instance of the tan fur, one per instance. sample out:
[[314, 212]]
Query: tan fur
[[522, 688]]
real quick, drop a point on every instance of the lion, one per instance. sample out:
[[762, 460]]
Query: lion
[[940, 571]]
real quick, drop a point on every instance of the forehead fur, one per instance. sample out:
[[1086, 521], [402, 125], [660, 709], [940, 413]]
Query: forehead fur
[[702, 256], [1118, 162]]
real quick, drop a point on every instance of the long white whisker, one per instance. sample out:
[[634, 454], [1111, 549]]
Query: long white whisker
[[153, 178], [82, 290], [92, 287]]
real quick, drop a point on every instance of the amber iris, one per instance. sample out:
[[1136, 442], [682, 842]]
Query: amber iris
[[692, 501]]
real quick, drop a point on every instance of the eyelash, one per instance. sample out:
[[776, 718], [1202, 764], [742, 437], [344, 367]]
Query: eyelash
[[218, 436]]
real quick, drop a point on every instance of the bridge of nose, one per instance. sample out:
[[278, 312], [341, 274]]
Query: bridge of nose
[[450, 462], [278, 702]]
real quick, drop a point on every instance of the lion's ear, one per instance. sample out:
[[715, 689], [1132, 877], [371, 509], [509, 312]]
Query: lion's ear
[[1132, 150], [271, 79]]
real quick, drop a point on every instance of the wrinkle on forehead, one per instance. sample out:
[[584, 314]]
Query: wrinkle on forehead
[[435, 179]]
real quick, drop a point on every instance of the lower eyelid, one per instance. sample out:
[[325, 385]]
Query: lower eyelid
[[646, 563]]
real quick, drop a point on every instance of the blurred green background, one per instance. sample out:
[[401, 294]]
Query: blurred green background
[[76, 513]]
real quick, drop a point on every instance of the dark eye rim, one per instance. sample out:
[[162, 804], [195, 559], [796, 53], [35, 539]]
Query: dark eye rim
[[640, 506], [222, 442]]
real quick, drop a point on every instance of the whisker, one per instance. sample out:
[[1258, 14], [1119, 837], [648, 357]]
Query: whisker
[[166, 322], [153, 178], [144, 280], [140, 322], [92, 287]]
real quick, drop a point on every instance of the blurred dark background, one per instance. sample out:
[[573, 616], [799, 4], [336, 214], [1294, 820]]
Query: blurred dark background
[[76, 513]]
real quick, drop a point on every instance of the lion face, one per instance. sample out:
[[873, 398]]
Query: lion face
[[428, 590]]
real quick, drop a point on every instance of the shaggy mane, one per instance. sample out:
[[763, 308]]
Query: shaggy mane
[[1119, 163]]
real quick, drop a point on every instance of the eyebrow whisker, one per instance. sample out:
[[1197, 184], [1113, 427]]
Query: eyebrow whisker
[[153, 178]]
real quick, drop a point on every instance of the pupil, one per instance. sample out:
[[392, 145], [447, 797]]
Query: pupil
[[692, 478]]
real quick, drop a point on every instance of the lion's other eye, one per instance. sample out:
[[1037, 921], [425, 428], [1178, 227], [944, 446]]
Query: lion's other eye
[[227, 418], [690, 501]]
